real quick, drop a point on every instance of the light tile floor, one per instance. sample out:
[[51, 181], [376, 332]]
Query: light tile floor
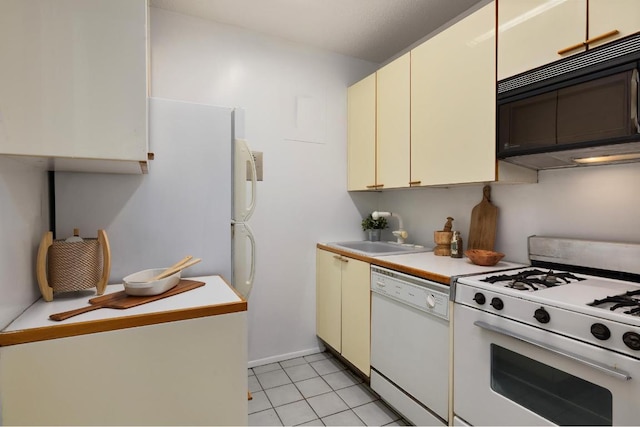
[[314, 390]]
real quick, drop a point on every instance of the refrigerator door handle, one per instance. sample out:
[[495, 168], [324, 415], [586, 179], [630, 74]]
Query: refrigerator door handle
[[249, 282], [244, 269], [245, 156]]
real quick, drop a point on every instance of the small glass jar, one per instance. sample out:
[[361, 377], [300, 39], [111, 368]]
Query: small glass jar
[[456, 245]]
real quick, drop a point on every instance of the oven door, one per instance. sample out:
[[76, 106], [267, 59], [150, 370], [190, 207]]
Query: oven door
[[509, 373]]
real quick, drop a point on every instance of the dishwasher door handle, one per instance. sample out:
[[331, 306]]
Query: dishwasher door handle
[[592, 363]]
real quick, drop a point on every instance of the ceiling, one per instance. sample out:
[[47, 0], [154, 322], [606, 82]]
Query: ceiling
[[373, 30]]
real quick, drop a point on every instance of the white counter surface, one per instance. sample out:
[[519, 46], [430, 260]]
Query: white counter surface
[[215, 297], [181, 360], [425, 264], [443, 265]]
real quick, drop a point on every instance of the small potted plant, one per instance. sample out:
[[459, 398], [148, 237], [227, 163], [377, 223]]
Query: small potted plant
[[374, 227]]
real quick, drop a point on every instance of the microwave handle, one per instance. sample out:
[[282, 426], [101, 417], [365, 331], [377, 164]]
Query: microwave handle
[[635, 99], [592, 363]]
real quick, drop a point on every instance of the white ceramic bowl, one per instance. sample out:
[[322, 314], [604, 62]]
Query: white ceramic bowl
[[133, 286]]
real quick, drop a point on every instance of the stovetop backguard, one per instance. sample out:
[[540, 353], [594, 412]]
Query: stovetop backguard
[[615, 260]]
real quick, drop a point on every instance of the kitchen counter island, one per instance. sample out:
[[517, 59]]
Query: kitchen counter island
[[426, 264], [181, 360]]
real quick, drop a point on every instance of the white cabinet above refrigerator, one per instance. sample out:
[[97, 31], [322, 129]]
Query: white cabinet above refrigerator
[[73, 84], [184, 206]]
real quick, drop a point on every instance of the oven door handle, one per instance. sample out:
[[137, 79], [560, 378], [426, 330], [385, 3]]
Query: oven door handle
[[597, 365]]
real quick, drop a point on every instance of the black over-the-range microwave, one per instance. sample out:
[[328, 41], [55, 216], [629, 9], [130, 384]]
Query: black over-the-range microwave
[[577, 111]]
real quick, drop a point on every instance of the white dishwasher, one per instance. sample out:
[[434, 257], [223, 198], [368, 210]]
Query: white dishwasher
[[410, 345]]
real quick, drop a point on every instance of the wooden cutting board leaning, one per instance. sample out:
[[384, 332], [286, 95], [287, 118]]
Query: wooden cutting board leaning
[[121, 300], [484, 218]]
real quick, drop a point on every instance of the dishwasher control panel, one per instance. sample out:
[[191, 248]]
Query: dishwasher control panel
[[422, 294]]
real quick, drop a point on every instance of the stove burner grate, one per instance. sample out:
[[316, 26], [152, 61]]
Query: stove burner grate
[[528, 279], [521, 286], [625, 300]]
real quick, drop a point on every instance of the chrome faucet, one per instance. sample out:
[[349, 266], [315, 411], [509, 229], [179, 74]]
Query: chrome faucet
[[400, 233]]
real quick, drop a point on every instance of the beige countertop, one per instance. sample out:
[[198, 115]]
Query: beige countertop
[[426, 264]]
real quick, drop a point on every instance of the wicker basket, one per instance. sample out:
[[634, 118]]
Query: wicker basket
[[73, 266]]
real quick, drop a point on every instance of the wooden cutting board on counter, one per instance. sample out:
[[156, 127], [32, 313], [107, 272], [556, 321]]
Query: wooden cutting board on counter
[[484, 219], [121, 300]]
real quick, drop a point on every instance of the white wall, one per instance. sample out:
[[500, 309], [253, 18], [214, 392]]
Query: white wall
[[24, 218], [597, 202], [295, 103]]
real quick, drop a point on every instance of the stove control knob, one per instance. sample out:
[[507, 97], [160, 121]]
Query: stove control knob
[[542, 315], [632, 340], [497, 303], [479, 298], [600, 331]]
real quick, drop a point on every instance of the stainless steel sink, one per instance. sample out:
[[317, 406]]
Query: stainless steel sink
[[374, 249]]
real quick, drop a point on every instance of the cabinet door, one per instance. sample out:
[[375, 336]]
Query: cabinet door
[[609, 15], [328, 298], [73, 78], [531, 32], [361, 134], [453, 103], [393, 123], [356, 314]]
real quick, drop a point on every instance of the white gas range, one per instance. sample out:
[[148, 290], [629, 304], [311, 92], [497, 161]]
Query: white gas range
[[543, 345]]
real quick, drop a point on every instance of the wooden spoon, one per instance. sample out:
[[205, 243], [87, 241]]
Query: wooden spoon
[[176, 265], [183, 263], [172, 270]]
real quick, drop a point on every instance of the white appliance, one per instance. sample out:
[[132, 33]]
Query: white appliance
[[410, 345], [196, 200], [536, 346], [410, 334]]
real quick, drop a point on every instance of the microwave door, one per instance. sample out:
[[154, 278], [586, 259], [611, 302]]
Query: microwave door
[[244, 181]]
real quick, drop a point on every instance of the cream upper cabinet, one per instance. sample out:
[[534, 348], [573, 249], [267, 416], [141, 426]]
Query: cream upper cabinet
[[73, 80], [453, 103], [393, 138], [606, 16], [531, 32], [361, 134], [343, 306]]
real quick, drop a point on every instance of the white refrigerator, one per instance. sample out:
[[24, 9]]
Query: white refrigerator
[[196, 200]]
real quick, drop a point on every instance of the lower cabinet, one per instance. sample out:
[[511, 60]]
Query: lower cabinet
[[343, 306], [186, 372]]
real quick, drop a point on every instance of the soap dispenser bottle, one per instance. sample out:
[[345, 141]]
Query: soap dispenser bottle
[[456, 245]]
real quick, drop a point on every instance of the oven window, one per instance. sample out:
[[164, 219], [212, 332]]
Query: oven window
[[553, 394]]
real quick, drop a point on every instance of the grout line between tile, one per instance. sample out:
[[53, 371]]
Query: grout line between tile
[[303, 397], [377, 398]]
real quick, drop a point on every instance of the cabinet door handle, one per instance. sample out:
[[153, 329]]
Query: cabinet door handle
[[338, 257], [375, 186], [344, 259], [414, 182], [589, 41], [602, 36], [572, 47]]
